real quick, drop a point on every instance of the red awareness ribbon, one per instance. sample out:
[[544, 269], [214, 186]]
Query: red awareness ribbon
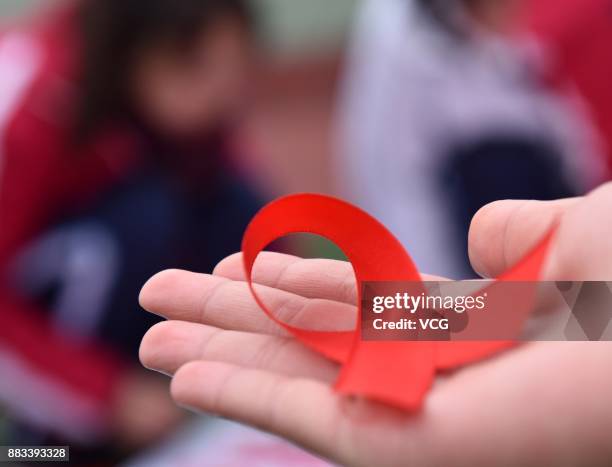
[[396, 373]]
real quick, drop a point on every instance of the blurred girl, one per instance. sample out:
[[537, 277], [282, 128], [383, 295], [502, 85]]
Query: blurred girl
[[115, 123]]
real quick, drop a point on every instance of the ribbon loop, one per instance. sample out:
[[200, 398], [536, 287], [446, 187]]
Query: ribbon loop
[[397, 373]]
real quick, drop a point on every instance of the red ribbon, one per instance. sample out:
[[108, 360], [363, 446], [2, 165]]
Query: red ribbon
[[396, 373]]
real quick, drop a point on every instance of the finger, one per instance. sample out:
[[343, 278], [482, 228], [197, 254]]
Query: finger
[[302, 410], [170, 344], [227, 304], [503, 231], [313, 278], [583, 248]]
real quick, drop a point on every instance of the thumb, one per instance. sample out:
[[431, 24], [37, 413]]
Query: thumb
[[501, 233]]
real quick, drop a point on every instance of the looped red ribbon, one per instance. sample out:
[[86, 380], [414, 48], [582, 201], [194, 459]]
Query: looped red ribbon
[[396, 373]]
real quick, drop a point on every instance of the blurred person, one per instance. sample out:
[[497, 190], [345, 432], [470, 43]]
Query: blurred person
[[443, 111], [575, 36], [116, 122]]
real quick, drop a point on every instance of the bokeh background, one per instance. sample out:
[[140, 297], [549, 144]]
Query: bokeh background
[[418, 111]]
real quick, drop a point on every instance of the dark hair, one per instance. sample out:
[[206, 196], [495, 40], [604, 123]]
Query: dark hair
[[442, 13], [113, 33]]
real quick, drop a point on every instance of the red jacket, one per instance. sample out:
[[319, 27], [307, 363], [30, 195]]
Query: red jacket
[[45, 377], [579, 35]]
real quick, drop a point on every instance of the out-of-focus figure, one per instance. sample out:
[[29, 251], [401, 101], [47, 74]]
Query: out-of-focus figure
[[575, 36], [444, 111], [115, 162]]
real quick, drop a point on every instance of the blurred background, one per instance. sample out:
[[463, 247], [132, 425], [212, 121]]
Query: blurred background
[[141, 135]]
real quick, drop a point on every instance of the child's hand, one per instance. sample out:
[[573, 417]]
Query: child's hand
[[539, 404]]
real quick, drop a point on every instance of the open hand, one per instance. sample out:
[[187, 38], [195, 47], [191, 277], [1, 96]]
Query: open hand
[[547, 403]]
